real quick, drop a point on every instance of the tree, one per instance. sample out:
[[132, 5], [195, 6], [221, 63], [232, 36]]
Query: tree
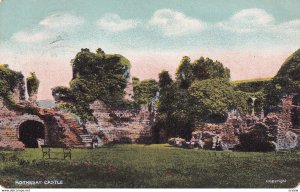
[[174, 112], [165, 79], [211, 100], [209, 69], [144, 91], [180, 105], [172, 109], [184, 74]]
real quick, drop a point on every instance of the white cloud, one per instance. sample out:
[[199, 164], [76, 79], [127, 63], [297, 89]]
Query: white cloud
[[61, 21], [247, 20], [292, 26], [258, 20], [253, 16], [114, 23], [48, 28], [174, 23], [27, 37]]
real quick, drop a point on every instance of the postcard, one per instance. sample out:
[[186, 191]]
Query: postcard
[[146, 94]]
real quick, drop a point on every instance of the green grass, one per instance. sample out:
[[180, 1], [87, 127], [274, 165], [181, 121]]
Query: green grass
[[152, 166]]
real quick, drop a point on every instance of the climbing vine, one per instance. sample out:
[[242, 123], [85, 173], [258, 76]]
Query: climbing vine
[[32, 84]]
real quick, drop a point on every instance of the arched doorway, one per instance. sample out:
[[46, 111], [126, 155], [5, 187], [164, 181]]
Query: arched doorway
[[29, 133]]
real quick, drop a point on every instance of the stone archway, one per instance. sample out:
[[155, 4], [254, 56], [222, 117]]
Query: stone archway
[[30, 132]]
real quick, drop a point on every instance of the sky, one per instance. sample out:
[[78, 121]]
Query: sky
[[250, 37]]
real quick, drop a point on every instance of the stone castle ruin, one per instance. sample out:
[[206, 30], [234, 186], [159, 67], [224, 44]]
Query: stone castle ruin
[[121, 125], [58, 128], [39, 126], [47, 127], [277, 128]]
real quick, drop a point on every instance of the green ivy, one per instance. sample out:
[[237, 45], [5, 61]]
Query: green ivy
[[10, 80], [96, 76], [251, 86], [32, 84]]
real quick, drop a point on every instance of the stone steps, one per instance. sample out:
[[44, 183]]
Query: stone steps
[[75, 130], [70, 125]]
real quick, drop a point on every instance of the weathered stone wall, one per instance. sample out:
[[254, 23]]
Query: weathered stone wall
[[10, 122], [117, 125], [61, 128], [287, 137], [279, 127], [227, 132]]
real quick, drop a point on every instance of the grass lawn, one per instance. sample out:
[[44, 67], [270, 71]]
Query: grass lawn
[[152, 166]]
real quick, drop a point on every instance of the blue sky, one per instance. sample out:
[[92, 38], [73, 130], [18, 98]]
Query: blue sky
[[250, 37]]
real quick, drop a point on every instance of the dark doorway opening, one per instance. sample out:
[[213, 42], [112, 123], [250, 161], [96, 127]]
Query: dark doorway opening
[[30, 131]]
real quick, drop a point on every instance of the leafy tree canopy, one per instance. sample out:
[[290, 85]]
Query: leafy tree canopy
[[201, 92], [209, 69], [200, 69], [179, 108], [95, 76], [174, 112], [164, 79], [144, 91], [184, 73], [212, 99]]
